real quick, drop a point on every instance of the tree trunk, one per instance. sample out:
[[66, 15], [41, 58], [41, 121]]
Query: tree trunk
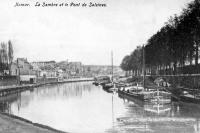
[[9, 66], [157, 71], [190, 57], [196, 53], [175, 72]]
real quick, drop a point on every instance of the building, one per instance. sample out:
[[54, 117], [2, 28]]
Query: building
[[48, 73], [26, 72], [28, 79], [43, 63], [25, 68], [14, 69], [95, 70], [75, 68]]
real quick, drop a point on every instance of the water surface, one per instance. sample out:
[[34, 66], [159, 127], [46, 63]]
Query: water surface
[[85, 108]]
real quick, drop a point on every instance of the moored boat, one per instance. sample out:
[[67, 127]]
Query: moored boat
[[101, 80], [189, 98], [107, 85], [130, 95], [150, 96]]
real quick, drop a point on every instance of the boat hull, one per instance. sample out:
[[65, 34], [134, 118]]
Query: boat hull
[[131, 96], [143, 97], [189, 99], [95, 83]]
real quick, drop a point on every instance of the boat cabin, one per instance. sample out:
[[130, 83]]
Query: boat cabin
[[101, 80]]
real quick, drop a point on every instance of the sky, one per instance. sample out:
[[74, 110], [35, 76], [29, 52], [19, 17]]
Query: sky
[[86, 34]]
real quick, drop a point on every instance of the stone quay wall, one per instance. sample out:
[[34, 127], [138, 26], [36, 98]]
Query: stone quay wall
[[9, 80]]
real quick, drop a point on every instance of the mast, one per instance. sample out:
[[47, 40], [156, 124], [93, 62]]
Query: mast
[[112, 65]]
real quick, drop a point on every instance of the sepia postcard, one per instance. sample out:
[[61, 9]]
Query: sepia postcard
[[100, 66]]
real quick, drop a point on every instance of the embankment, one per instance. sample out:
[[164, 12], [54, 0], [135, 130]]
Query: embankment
[[7, 90], [15, 124], [8, 80]]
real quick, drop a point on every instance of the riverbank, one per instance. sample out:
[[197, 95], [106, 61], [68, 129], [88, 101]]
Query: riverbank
[[14, 124], [6, 90]]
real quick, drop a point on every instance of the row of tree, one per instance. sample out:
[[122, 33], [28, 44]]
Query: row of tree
[[174, 47], [133, 62], [6, 56]]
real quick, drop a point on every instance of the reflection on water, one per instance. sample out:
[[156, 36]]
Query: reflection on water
[[158, 117], [82, 107]]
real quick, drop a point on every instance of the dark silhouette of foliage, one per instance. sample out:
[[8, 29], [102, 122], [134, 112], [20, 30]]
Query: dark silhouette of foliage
[[174, 47], [10, 55], [6, 56]]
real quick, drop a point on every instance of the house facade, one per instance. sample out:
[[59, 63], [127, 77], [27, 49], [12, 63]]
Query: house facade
[[26, 71], [43, 63], [14, 69], [25, 68]]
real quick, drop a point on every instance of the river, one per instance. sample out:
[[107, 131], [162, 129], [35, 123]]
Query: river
[[84, 108]]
